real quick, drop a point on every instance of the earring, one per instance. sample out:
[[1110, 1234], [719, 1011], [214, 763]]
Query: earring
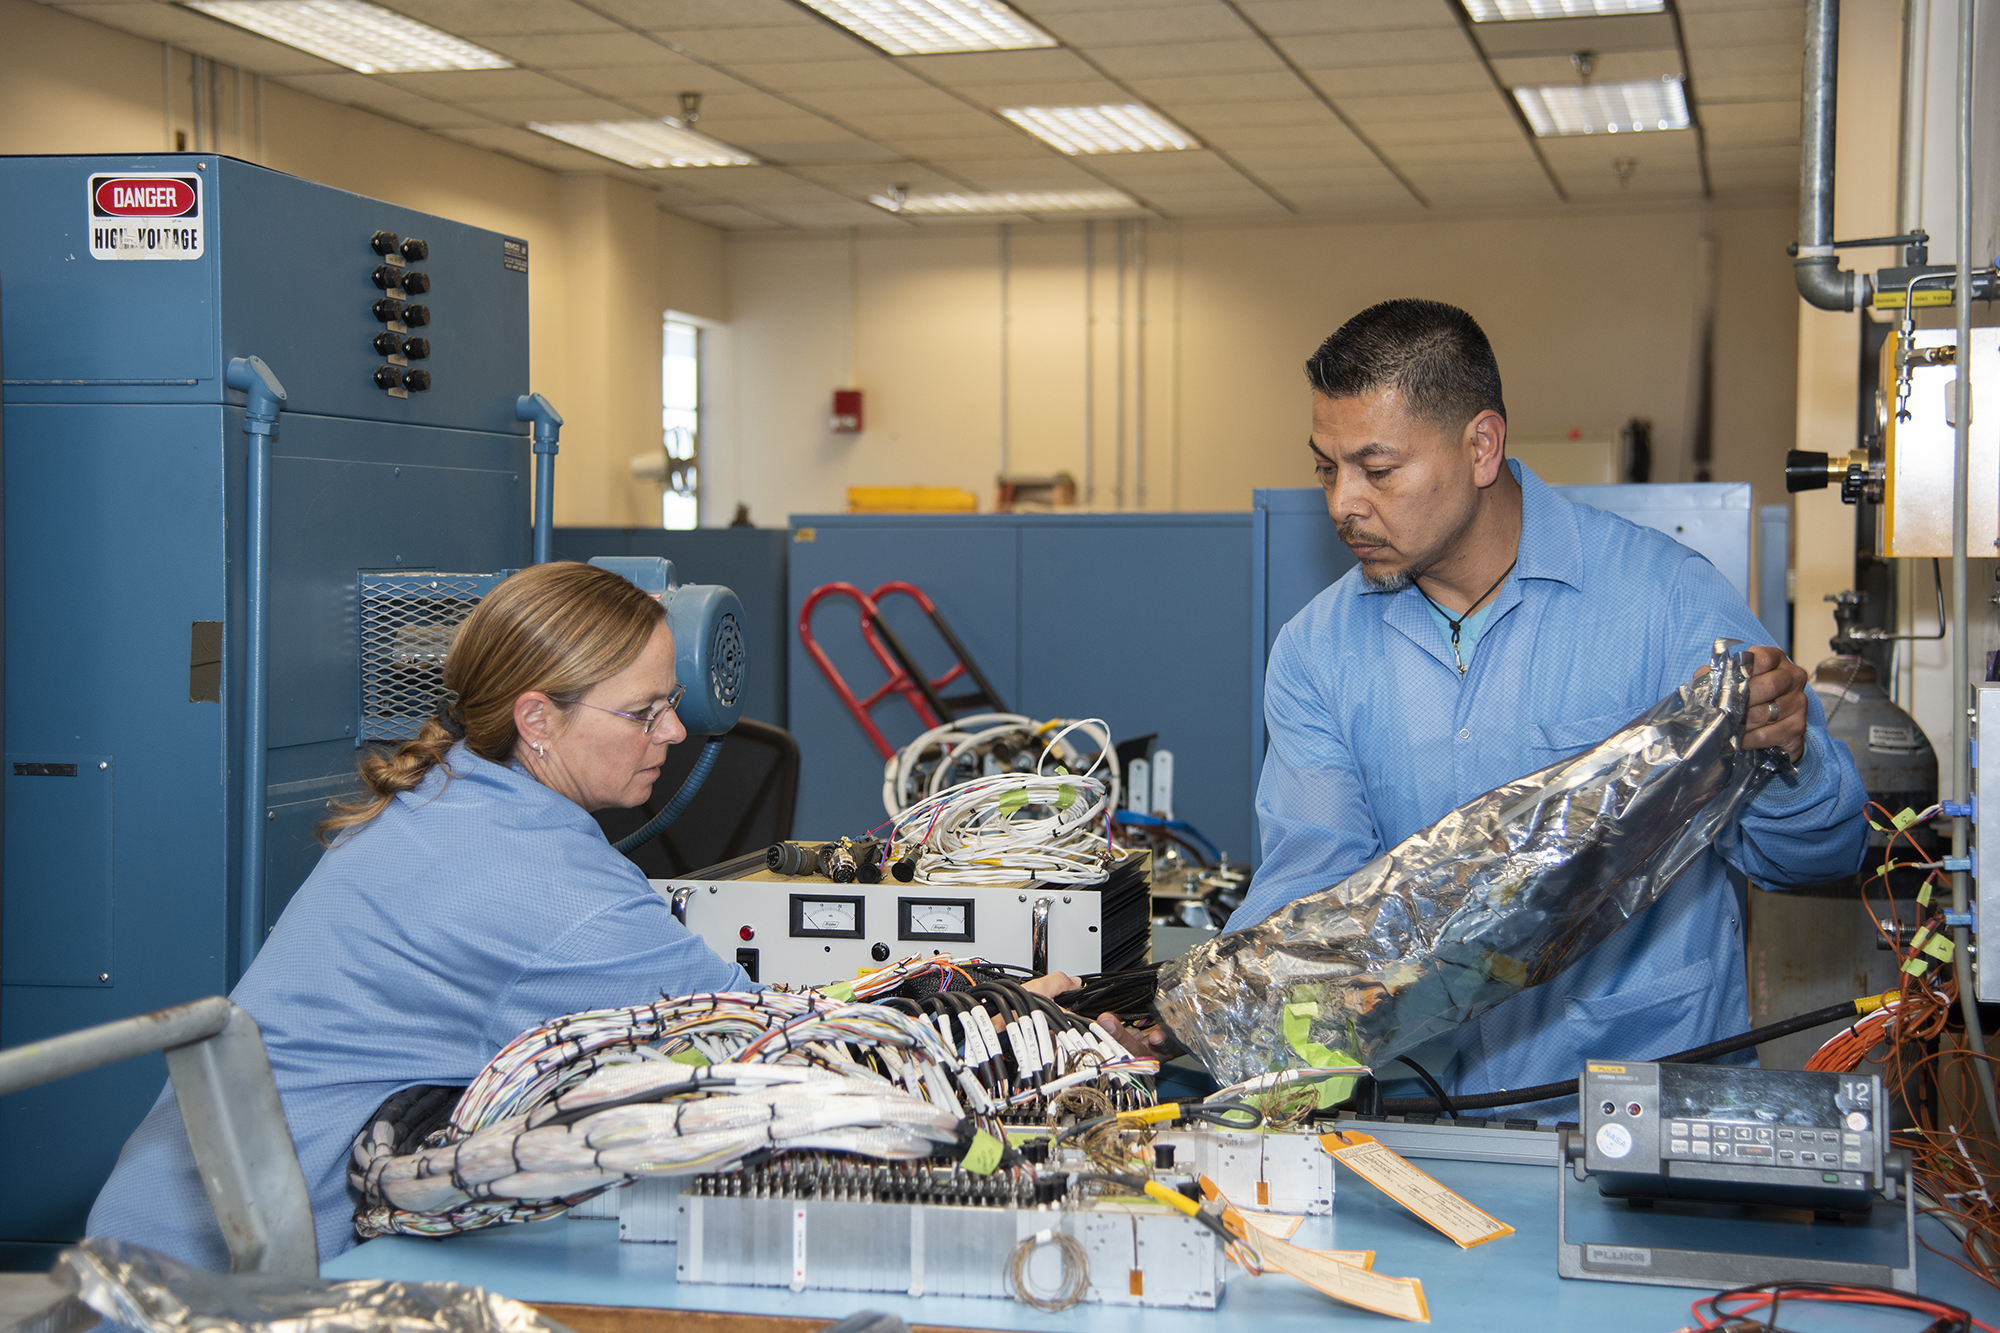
[[536, 746]]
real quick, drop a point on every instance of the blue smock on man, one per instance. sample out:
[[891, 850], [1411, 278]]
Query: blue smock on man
[[1490, 629]]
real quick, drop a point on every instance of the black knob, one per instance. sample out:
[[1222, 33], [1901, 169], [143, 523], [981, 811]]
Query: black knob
[[388, 377], [417, 380], [1163, 1157], [414, 249], [1805, 471], [387, 343], [880, 953], [386, 276], [416, 348], [383, 242], [389, 308], [416, 284], [416, 316]]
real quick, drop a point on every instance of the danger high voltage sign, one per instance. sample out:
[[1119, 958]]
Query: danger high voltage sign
[[145, 217]]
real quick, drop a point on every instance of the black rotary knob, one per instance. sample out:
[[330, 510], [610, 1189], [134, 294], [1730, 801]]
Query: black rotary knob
[[388, 344], [416, 316], [416, 284], [415, 250], [880, 953], [389, 308], [388, 377], [386, 276], [416, 380], [416, 348], [383, 242], [1806, 471]]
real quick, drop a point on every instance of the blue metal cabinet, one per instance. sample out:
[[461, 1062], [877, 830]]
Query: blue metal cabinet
[[125, 517], [1137, 618]]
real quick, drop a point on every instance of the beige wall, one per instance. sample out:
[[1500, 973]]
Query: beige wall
[[1594, 319], [605, 262]]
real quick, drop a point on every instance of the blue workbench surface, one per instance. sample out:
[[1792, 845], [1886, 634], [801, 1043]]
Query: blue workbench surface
[[1506, 1284]]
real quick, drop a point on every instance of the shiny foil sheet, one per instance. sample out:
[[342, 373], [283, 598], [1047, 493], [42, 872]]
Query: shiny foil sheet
[[144, 1289], [1499, 895]]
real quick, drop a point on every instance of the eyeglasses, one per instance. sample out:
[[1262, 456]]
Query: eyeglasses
[[646, 720]]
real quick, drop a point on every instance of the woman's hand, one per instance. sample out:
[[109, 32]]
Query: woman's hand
[[1052, 985]]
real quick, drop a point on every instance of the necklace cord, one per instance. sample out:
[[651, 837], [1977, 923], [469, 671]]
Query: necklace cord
[[1467, 613]]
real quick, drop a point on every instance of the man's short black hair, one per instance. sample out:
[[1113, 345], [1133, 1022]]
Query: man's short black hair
[[1435, 355]]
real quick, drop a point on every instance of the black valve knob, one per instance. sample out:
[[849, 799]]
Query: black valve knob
[[388, 377], [416, 348], [416, 316], [416, 284], [1805, 471], [383, 242], [386, 276], [388, 344], [880, 953], [417, 380], [389, 308], [414, 249]]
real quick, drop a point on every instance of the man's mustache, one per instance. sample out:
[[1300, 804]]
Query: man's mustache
[[1354, 536]]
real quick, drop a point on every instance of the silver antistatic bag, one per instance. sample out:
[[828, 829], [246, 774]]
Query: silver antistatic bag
[[1501, 894]]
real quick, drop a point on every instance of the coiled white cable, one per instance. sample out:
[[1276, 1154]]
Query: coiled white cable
[[903, 786]]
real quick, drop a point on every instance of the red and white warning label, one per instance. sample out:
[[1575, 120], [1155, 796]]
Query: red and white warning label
[[145, 217]]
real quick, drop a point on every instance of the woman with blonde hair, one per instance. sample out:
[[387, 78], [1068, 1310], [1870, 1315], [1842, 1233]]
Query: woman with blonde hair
[[466, 896]]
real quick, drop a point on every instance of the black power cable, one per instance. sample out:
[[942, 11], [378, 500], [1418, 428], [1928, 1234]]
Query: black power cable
[[1836, 1013], [1437, 1089]]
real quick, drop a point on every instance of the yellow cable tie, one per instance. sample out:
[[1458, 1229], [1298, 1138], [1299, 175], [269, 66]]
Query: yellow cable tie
[[1153, 1115], [1172, 1197]]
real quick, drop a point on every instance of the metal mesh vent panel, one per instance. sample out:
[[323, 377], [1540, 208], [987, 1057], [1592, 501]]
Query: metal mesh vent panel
[[407, 625], [726, 662]]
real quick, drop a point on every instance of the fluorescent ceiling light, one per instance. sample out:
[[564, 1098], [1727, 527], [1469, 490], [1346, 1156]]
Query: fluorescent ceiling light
[[1491, 11], [1605, 108], [934, 27], [1100, 129], [1010, 201], [647, 143], [361, 36]]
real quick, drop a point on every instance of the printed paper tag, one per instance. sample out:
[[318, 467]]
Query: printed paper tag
[[1349, 1283], [983, 1157], [146, 215], [1421, 1194], [1359, 1258], [1272, 1224]]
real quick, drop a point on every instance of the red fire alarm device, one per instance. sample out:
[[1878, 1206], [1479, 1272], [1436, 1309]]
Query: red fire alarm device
[[846, 412]]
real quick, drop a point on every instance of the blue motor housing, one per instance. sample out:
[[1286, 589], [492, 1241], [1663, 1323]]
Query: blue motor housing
[[707, 624]]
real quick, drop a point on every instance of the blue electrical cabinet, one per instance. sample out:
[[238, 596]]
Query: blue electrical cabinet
[[127, 284]]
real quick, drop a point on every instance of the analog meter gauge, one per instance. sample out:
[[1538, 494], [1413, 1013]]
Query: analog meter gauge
[[827, 917], [944, 919]]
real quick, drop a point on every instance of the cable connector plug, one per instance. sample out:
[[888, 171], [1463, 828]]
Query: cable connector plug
[[1956, 810]]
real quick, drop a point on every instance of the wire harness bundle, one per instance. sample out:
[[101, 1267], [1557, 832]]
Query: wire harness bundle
[[672, 1088], [1499, 895], [1002, 829], [984, 745]]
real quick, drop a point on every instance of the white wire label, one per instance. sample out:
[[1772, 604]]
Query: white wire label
[[145, 216], [799, 1248], [1416, 1191]]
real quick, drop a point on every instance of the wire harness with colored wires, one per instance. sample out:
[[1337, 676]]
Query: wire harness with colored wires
[[1051, 827], [1753, 1308], [983, 745]]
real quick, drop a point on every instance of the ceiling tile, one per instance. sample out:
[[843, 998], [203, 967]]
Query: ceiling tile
[[813, 41], [1172, 59], [1196, 88], [370, 94], [727, 216], [1329, 139], [1411, 156], [1776, 62], [1406, 46], [1134, 25], [1341, 82], [524, 144], [552, 110], [798, 153], [1290, 18], [1301, 110], [1558, 37], [849, 103], [789, 126], [1610, 67], [205, 36], [1473, 104], [587, 50], [477, 18], [1500, 127], [945, 148], [1737, 26], [861, 179], [480, 85], [803, 76], [1751, 122], [972, 69], [685, 15], [1094, 91], [642, 81]]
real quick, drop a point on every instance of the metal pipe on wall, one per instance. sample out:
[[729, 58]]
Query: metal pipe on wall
[[1006, 322], [1118, 432], [1961, 648], [1820, 278]]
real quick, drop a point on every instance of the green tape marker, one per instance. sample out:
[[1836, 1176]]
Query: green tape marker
[[983, 1157]]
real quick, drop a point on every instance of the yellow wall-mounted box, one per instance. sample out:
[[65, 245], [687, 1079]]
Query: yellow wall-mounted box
[[1918, 453]]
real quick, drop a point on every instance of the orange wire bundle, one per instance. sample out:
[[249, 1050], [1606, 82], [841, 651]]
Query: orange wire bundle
[[1954, 1164]]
